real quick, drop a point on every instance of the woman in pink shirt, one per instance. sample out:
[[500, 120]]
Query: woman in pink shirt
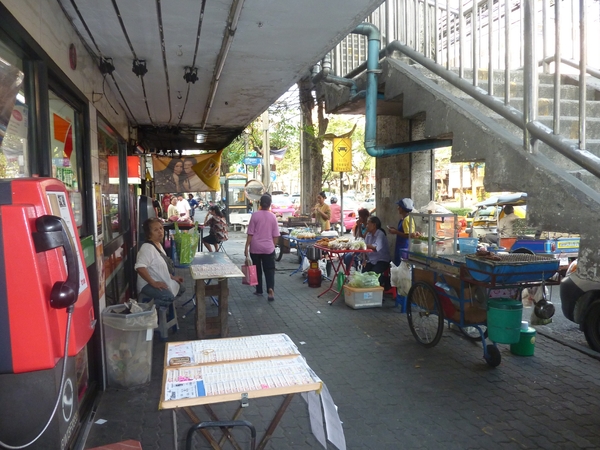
[[263, 233]]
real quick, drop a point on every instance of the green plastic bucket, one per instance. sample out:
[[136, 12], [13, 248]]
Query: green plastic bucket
[[504, 320], [526, 344]]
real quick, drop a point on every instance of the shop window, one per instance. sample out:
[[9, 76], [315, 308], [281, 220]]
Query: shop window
[[64, 141], [109, 162], [13, 117]]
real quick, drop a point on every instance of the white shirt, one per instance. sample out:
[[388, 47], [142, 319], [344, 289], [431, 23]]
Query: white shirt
[[149, 258], [184, 208]]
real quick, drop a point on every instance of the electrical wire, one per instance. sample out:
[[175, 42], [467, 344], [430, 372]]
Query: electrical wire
[[99, 52], [124, 30], [62, 387], [198, 32], [164, 55], [104, 94]]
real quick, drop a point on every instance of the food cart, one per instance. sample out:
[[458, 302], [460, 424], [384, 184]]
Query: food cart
[[463, 286]]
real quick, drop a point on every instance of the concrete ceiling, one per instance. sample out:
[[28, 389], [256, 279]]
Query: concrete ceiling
[[263, 47]]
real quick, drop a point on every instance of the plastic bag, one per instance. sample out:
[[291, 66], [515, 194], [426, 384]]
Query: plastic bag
[[250, 274], [305, 264], [401, 277], [323, 267], [186, 244], [364, 280]]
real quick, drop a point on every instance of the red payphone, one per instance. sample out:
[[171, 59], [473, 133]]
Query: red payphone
[[45, 305]]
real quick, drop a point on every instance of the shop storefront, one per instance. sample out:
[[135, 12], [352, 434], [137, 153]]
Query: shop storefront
[[49, 129]]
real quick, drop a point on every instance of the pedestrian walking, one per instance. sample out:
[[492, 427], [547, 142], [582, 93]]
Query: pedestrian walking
[[263, 234]]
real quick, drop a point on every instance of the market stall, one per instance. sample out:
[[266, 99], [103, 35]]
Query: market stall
[[477, 291]]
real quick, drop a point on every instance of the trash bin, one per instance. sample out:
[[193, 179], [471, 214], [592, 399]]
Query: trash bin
[[504, 320], [128, 344]]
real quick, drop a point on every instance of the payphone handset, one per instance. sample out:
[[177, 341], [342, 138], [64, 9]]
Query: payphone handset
[[51, 233]]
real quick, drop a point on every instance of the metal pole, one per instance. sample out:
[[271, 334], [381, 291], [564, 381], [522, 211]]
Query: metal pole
[[475, 46], [529, 94], [557, 69], [436, 28], [582, 73], [461, 38], [447, 34], [545, 35], [506, 52], [266, 167], [427, 46], [490, 47]]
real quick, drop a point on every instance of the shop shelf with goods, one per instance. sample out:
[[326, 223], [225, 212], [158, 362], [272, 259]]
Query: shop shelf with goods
[[438, 234]]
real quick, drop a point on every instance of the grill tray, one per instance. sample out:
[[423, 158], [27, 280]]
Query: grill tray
[[511, 268]]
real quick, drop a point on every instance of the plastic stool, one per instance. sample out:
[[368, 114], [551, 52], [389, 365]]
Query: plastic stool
[[163, 320], [164, 323], [401, 301]]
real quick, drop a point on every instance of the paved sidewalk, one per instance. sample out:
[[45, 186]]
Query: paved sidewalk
[[391, 392]]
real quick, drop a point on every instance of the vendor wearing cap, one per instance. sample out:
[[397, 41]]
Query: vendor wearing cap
[[405, 226]]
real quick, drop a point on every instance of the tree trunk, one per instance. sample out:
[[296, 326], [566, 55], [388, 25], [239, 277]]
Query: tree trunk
[[312, 139]]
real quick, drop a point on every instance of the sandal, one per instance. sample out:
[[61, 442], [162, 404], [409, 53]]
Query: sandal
[[271, 295]]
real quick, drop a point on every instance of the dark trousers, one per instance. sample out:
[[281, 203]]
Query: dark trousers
[[266, 263]]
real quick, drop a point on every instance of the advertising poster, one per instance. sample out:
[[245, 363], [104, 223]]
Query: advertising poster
[[199, 173]]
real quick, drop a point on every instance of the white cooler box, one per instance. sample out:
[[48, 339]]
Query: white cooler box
[[358, 298]]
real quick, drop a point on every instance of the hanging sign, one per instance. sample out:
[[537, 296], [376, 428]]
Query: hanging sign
[[342, 155]]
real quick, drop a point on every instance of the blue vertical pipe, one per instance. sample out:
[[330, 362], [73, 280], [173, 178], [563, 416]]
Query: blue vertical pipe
[[374, 42]]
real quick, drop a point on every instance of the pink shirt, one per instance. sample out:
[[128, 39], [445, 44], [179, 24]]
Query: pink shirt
[[263, 228], [336, 213]]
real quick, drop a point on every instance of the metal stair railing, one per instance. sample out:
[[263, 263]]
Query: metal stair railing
[[500, 36]]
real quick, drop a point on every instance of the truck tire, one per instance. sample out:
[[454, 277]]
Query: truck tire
[[591, 326]]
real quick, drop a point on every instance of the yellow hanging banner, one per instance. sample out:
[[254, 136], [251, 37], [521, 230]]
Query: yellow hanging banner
[[342, 155]]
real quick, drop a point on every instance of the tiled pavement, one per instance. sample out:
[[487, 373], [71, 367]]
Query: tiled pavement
[[391, 392]]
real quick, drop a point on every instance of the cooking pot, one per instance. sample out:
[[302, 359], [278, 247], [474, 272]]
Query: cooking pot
[[313, 254]]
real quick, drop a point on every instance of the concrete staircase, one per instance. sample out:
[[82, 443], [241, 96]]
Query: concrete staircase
[[562, 197]]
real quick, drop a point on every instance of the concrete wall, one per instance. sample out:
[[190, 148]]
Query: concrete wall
[[46, 23]]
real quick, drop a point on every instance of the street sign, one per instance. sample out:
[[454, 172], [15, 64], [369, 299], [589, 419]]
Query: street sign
[[342, 155], [273, 176], [250, 161]]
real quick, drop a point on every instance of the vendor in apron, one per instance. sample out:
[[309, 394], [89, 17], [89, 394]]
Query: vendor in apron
[[405, 226]]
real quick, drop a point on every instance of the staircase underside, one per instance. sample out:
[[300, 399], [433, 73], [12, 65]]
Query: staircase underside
[[557, 200]]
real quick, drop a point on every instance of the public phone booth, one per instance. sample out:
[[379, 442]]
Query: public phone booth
[[45, 311], [235, 197]]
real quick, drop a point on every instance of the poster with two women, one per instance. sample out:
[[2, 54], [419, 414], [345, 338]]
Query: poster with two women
[[198, 173]]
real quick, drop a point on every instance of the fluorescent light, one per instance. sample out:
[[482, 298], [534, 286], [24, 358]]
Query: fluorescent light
[[200, 138]]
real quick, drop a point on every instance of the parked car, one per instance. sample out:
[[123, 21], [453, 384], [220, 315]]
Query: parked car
[[369, 204], [282, 206], [350, 213], [580, 303]]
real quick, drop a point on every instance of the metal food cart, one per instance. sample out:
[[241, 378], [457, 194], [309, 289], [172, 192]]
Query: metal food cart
[[455, 287]]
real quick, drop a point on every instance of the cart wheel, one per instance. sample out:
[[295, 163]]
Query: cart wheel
[[473, 334], [279, 250], [425, 314], [493, 356]]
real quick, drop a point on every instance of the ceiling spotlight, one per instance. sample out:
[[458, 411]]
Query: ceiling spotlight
[[201, 138], [179, 51], [191, 74], [139, 67], [106, 66]]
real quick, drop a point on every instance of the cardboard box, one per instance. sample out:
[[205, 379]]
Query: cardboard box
[[358, 298]]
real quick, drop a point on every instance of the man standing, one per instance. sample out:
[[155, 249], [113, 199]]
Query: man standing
[[193, 205], [183, 207]]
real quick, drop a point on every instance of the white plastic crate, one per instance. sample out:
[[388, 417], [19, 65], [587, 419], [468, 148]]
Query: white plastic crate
[[358, 298]]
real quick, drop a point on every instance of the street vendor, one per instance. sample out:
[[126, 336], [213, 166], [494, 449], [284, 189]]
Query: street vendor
[[321, 212], [378, 260], [406, 226]]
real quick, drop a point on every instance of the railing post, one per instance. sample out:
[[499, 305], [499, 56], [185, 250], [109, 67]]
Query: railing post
[[529, 69], [506, 52], [582, 73], [461, 38], [557, 69], [490, 47]]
